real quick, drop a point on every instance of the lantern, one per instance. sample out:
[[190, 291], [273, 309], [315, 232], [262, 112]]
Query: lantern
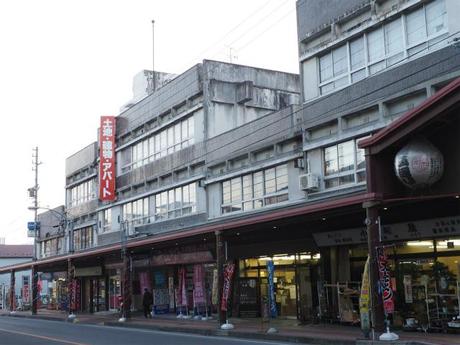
[[419, 164]]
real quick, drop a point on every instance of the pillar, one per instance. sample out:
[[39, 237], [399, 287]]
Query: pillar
[[12, 291], [126, 286], [220, 259], [34, 289], [70, 288], [373, 241]]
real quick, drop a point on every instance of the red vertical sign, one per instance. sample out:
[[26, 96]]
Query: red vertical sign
[[107, 158], [385, 281]]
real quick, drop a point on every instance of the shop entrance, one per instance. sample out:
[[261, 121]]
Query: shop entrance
[[293, 281]]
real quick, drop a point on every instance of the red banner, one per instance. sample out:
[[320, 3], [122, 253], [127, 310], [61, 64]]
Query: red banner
[[198, 284], [182, 293], [107, 158], [385, 281], [228, 275]]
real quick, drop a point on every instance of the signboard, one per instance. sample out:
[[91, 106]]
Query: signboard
[[88, 271], [107, 159], [407, 282], [385, 281], [25, 290], [182, 258], [32, 228], [364, 299], [429, 228], [249, 297]]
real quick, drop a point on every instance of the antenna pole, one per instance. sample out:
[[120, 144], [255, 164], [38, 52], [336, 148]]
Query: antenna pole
[[153, 57]]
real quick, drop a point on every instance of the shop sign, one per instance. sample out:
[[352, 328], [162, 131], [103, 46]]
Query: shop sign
[[107, 158], [171, 292], [88, 271], [248, 297], [385, 281], [271, 288], [228, 275], [182, 258], [364, 299], [25, 289], [198, 284], [429, 228], [161, 301]]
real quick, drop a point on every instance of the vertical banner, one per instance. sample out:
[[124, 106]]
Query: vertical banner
[[198, 284], [364, 299], [25, 290], [228, 275], [214, 292], [107, 158], [182, 295], [171, 292], [145, 282], [385, 281], [271, 289]]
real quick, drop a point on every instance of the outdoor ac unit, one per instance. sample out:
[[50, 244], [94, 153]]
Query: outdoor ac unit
[[309, 182]]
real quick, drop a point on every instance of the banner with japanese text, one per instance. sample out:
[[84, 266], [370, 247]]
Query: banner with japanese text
[[107, 158], [228, 275], [271, 288], [198, 284], [385, 281]]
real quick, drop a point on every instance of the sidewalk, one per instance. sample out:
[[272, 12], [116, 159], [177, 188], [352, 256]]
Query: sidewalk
[[288, 330]]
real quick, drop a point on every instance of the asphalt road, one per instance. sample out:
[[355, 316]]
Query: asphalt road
[[22, 331]]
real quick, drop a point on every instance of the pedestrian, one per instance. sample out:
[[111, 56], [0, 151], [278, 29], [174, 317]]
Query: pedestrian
[[147, 301]]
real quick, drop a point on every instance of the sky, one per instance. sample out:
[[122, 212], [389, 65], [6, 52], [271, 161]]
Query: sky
[[65, 63]]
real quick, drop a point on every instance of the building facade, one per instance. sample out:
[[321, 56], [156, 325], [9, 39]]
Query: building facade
[[235, 164]]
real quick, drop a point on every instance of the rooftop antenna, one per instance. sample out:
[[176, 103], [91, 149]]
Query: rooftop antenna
[[153, 57]]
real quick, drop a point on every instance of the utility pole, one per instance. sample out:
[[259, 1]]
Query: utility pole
[[34, 192]]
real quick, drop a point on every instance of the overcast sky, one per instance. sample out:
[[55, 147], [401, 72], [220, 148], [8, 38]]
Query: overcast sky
[[63, 64]]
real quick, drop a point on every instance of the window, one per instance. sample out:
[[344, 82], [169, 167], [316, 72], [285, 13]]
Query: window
[[165, 142], [382, 47], [83, 238], [175, 202], [255, 190], [52, 247], [136, 212], [107, 221], [82, 193], [344, 163]]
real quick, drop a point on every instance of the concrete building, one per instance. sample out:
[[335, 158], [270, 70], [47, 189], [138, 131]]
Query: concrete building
[[234, 164]]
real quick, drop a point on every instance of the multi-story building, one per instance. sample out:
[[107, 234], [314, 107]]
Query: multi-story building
[[234, 163]]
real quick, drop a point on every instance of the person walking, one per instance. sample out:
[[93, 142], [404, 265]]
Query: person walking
[[147, 301]]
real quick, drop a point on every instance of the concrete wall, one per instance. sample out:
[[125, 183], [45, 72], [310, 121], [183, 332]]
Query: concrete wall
[[81, 160]]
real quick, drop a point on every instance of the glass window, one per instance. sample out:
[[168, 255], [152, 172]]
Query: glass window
[[281, 177], [236, 189], [416, 30], [325, 67], [375, 45], [330, 160], [270, 182], [340, 60], [393, 37], [346, 152], [357, 53], [435, 17]]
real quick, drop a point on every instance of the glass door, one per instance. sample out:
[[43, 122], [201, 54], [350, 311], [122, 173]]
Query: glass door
[[114, 293]]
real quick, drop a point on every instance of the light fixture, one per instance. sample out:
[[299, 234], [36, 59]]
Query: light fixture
[[385, 208], [237, 234], [457, 197], [324, 218], [274, 228]]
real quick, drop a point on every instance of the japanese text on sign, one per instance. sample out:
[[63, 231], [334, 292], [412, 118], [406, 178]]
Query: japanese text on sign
[[107, 159]]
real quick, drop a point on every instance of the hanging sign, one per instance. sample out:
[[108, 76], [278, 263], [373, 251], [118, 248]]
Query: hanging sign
[[407, 282], [107, 158], [228, 275], [385, 281], [271, 288], [214, 292]]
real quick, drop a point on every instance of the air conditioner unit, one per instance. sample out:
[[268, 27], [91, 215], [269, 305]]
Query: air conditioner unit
[[309, 182]]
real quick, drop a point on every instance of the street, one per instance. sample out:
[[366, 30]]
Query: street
[[22, 331]]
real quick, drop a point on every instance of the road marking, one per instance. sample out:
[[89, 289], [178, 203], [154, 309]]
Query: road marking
[[42, 337]]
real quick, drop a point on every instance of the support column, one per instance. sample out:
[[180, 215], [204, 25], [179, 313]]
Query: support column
[[126, 286], [34, 289], [70, 285], [12, 291], [220, 258], [373, 241]]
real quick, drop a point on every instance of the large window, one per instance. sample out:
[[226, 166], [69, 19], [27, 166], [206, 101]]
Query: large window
[[344, 163], [52, 247], [107, 221], [255, 190], [83, 238], [382, 47], [175, 202], [82, 193], [136, 212], [169, 140]]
